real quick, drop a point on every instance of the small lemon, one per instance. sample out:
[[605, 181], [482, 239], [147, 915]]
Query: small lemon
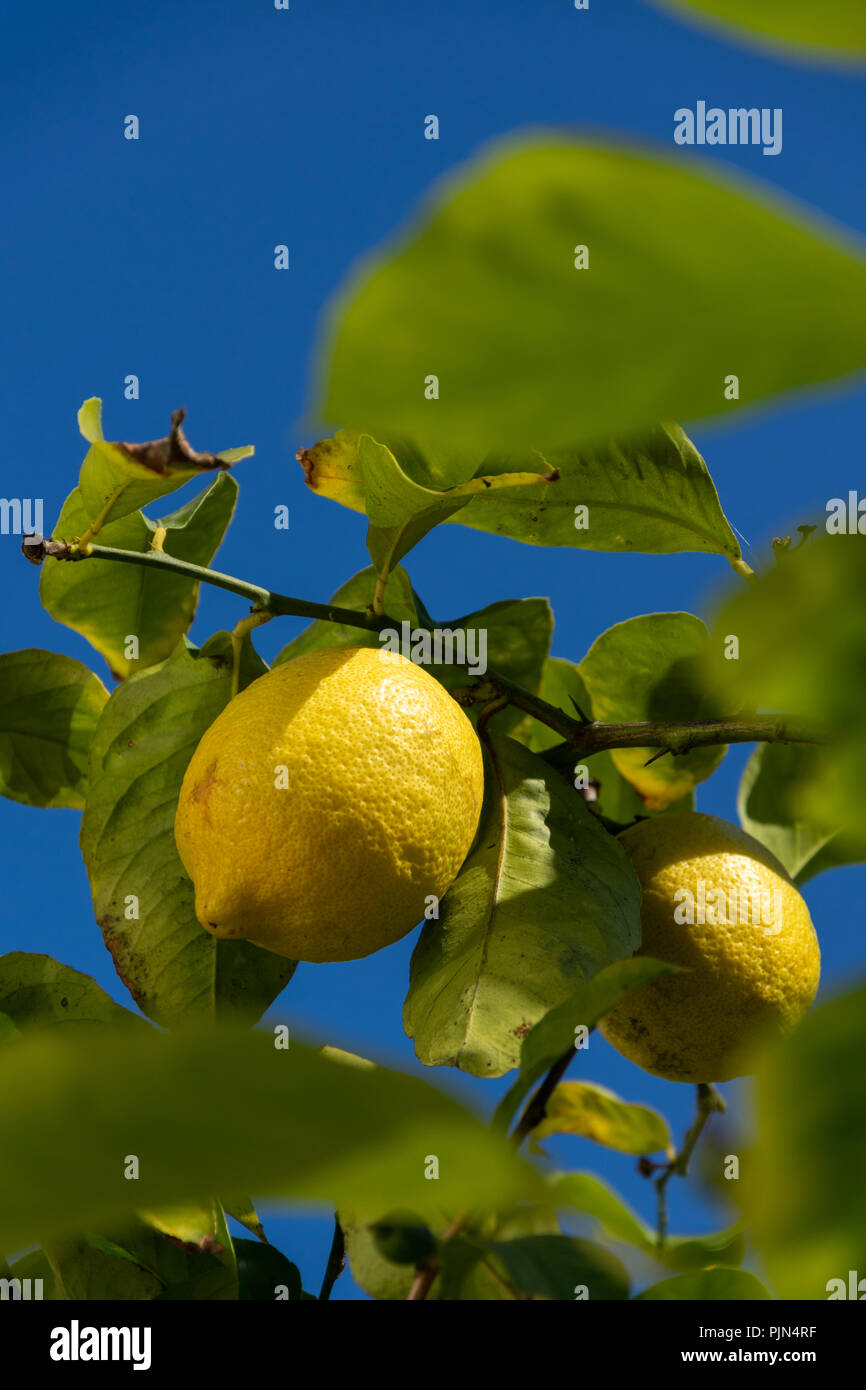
[[328, 803], [716, 902]]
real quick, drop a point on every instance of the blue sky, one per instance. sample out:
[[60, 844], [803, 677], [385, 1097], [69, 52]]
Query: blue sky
[[156, 257]]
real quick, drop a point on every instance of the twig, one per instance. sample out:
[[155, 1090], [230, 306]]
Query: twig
[[536, 1106], [336, 1261], [426, 1273], [709, 1103], [581, 737]]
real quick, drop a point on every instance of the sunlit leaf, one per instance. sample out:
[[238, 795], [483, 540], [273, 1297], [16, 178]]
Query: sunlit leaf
[[592, 1112], [142, 897], [654, 668], [109, 603], [546, 898]]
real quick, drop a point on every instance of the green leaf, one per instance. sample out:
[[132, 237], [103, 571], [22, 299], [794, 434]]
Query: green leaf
[[802, 650], [546, 898], [185, 1271], [108, 602], [808, 1217], [773, 805], [513, 636], [118, 479], [200, 1227], [727, 1284], [587, 1194], [357, 593], [559, 1267], [264, 1274], [302, 1127], [516, 634], [363, 474], [652, 494], [562, 686], [481, 289], [374, 1274], [555, 1032], [243, 1211], [38, 992], [174, 969], [592, 1112], [802, 30], [89, 1273], [403, 1238], [49, 708], [650, 668]]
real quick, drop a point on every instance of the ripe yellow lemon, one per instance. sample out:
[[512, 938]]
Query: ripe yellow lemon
[[716, 902], [327, 803]]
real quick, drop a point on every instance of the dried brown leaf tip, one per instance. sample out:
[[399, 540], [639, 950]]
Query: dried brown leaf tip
[[173, 453]]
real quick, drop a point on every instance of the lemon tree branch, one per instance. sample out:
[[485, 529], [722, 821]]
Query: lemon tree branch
[[709, 1103], [581, 736]]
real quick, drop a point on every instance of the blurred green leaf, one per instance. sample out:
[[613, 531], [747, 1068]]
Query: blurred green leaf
[[371, 1271], [49, 708], [38, 992], [560, 1267], [88, 1272], [186, 1271], [801, 29], [555, 1032], [546, 897], [530, 1266], [654, 667], [592, 1112], [403, 1238], [143, 899], [776, 789], [808, 1217], [719, 1283], [32, 1266], [802, 650], [302, 1127], [481, 289], [263, 1271], [587, 1194], [109, 602], [8, 1031]]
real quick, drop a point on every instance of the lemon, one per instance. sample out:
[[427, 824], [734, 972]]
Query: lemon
[[328, 803], [716, 902]]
